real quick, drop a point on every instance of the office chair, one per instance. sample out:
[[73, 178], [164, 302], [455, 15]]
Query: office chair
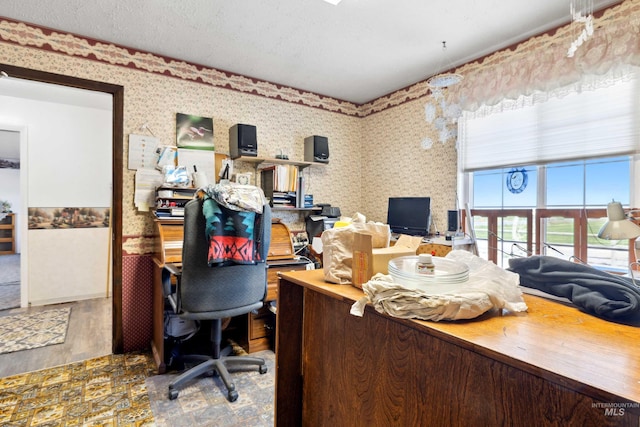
[[214, 293]]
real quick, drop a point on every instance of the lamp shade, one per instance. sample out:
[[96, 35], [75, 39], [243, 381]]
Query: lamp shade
[[618, 227]]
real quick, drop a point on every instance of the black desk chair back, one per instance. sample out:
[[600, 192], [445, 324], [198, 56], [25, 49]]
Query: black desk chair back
[[215, 293]]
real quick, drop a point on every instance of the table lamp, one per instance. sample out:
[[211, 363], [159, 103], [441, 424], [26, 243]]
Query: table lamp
[[619, 227]]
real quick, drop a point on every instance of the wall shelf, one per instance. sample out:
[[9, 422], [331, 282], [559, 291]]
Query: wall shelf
[[268, 188], [259, 160], [284, 209], [7, 235]]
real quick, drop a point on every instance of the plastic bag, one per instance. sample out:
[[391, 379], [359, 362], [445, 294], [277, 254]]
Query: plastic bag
[[176, 176], [488, 287], [177, 327], [337, 247]]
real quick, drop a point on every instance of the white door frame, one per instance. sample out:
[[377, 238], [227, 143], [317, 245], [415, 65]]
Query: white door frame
[[24, 209]]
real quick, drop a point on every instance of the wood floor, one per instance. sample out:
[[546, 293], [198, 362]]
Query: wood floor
[[88, 335]]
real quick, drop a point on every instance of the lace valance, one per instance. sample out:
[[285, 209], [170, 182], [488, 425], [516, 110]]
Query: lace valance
[[541, 65]]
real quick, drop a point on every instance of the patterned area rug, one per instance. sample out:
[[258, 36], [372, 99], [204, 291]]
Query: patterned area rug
[[203, 402], [9, 281], [33, 330], [105, 391], [10, 268]]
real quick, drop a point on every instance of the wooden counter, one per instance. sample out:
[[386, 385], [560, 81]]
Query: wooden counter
[[551, 366]]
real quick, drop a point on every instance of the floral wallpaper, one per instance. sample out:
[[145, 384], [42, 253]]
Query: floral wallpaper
[[397, 165], [375, 148]]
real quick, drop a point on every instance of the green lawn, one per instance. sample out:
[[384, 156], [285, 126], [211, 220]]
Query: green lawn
[[559, 231]]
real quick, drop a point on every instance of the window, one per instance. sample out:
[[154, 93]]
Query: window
[[586, 183], [564, 205], [577, 126], [583, 183], [540, 177]]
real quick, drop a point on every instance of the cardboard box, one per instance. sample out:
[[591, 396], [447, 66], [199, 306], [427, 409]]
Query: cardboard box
[[368, 261]]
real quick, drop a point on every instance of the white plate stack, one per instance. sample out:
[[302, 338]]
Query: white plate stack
[[444, 278]]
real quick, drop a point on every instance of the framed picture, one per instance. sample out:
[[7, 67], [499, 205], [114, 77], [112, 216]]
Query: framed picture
[[243, 178], [194, 132]]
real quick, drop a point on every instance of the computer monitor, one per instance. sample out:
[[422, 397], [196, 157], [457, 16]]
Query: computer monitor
[[409, 215]]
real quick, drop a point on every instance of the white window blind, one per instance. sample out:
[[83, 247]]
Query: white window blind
[[583, 125]]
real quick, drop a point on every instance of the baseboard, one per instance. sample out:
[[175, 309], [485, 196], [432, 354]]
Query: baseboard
[[66, 298]]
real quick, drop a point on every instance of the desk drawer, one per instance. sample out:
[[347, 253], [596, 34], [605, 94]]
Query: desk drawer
[[272, 278], [261, 324]]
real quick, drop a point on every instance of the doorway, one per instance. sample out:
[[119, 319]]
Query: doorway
[[117, 93], [10, 207]]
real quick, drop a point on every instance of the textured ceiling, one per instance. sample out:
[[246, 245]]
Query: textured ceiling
[[356, 51]]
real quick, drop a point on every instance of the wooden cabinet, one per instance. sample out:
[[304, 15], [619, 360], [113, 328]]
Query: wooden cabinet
[[280, 246], [8, 235], [554, 365], [278, 267], [261, 325]]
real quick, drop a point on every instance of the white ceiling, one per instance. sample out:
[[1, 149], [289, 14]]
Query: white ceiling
[[44, 92], [356, 51]]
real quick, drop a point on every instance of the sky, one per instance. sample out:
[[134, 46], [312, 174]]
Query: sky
[[591, 183]]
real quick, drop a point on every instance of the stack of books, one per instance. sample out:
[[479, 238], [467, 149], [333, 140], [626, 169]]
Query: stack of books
[[283, 186], [308, 201], [284, 199], [170, 201], [281, 178]]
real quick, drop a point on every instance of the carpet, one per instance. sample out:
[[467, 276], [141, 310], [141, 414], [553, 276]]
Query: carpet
[[9, 295], [10, 268], [9, 281], [33, 329], [203, 402], [105, 391]]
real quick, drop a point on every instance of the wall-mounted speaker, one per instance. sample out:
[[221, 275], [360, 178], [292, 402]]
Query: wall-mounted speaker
[[316, 149], [243, 141], [452, 221]]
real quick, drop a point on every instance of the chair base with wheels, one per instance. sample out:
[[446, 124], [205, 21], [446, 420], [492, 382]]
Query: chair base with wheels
[[217, 364]]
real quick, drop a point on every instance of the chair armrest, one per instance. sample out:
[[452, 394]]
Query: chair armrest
[[174, 269], [174, 297]]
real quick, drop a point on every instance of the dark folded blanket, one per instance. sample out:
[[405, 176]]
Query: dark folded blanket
[[232, 234], [597, 292]]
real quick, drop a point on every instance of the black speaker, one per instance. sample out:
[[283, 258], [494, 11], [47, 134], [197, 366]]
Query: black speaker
[[243, 141], [316, 149], [452, 221]]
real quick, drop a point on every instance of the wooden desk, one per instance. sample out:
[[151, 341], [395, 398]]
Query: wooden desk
[[256, 328], [551, 366], [168, 250]]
